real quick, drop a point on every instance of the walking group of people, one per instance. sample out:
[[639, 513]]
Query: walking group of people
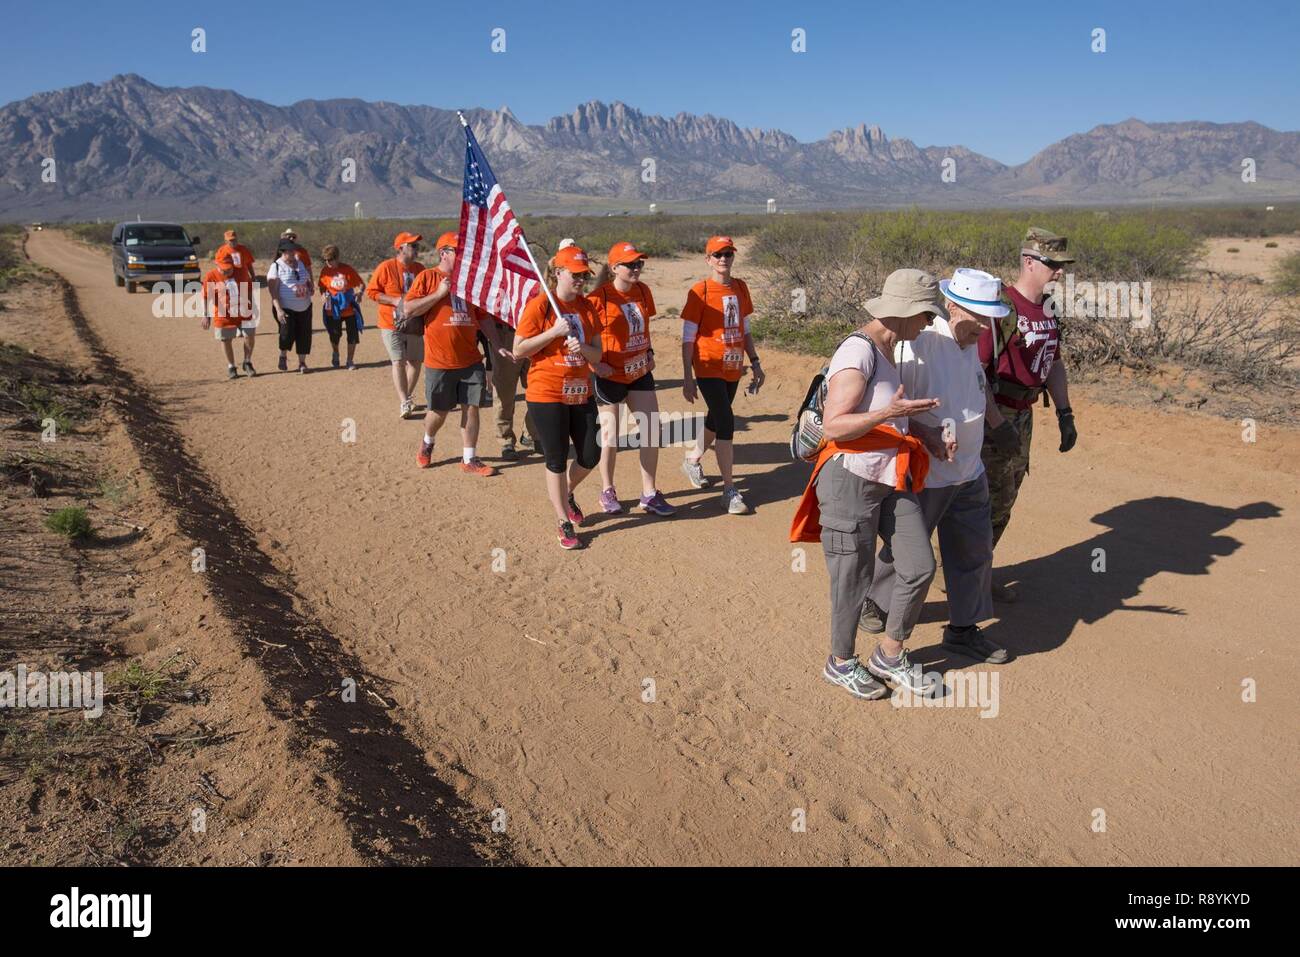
[[579, 365], [232, 306], [927, 423]]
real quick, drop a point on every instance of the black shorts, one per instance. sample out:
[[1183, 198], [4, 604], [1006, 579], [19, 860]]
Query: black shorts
[[609, 392], [336, 327]]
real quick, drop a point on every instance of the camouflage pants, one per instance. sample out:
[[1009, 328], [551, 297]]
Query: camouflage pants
[[1006, 472]]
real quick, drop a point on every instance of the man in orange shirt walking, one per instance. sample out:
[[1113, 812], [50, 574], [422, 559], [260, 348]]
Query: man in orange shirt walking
[[236, 260], [454, 374], [388, 287]]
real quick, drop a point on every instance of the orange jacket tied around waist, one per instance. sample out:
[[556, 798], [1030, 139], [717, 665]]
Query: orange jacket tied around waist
[[912, 459]]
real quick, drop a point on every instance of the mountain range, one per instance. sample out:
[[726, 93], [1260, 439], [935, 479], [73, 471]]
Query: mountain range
[[127, 147]]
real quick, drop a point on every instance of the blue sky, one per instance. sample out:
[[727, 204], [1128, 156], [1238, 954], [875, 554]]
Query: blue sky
[[1002, 78]]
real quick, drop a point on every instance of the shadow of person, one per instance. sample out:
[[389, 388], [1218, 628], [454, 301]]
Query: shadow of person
[[1142, 539]]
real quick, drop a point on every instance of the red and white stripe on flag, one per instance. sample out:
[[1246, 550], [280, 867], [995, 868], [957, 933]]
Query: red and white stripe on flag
[[494, 272]]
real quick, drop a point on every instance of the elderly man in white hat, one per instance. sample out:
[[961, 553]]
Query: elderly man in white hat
[[943, 362]]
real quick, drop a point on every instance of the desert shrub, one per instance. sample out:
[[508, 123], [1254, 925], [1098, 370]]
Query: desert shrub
[[1288, 275], [1270, 245], [1226, 325], [1233, 249], [72, 522]]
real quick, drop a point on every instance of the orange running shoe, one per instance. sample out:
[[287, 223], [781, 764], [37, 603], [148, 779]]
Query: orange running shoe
[[477, 466], [425, 458]]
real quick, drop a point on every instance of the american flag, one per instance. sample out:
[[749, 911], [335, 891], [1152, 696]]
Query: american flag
[[493, 271]]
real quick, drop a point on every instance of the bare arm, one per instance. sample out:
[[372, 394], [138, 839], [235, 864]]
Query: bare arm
[[524, 348], [847, 388]]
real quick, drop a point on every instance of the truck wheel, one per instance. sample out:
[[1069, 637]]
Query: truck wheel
[[130, 287], [119, 281]]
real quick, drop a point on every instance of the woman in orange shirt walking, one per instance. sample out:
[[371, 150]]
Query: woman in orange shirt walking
[[624, 308], [715, 342], [562, 351]]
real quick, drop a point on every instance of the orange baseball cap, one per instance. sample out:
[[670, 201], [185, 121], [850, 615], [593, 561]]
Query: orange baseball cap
[[404, 238], [717, 244], [447, 239], [573, 259], [621, 253]]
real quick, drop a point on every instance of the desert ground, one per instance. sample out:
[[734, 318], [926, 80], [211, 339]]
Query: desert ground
[[524, 690]]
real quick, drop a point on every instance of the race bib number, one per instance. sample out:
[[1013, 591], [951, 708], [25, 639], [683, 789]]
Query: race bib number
[[575, 391], [637, 366], [237, 259], [733, 359]]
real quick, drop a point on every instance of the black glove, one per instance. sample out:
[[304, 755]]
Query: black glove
[[1005, 438], [1069, 434]]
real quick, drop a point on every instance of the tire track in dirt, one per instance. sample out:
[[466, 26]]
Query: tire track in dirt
[[397, 808]]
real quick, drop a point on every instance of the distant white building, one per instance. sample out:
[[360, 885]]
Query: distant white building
[[771, 206], [356, 210]]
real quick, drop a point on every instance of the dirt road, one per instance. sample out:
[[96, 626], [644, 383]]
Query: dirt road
[[525, 688]]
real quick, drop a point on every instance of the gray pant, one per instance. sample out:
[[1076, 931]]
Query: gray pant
[[854, 511], [961, 513]]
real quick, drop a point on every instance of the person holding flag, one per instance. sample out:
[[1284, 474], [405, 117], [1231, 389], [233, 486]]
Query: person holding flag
[[340, 285], [388, 285], [560, 335], [624, 309], [454, 375]]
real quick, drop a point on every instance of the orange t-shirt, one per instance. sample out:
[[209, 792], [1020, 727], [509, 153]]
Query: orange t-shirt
[[553, 374], [719, 312], [391, 279], [624, 329], [238, 257], [338, 278], [229, 300], [450, 327]]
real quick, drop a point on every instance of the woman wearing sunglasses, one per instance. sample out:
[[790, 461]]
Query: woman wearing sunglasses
[[624, 308], [715, 343]]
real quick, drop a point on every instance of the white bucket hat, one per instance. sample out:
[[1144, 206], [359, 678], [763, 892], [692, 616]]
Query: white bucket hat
[[977, 291]]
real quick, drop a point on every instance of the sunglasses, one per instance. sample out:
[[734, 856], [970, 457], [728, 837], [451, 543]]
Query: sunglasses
[[730, 254], [635, 264], [1049, 263]]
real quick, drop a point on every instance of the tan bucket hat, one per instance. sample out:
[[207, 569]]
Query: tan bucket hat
[[1044, 243], [907, 293]]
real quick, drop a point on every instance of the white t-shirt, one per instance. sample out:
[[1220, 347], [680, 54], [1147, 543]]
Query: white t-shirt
[[933, 366], [863, 355], [295, 283]]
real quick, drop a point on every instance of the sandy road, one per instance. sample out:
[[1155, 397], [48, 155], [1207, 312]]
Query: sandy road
[[524, 688]]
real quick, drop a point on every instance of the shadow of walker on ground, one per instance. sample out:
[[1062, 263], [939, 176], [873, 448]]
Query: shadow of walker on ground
[[1142, 539]]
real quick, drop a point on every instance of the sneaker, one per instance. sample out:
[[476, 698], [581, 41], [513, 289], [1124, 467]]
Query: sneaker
[[335, 360], [972, 643], [854, 679], [476, 466], [609, 502], [733, 503], [508, 452], [1005, 594], [656, 504], [575, 513], [248, 368], [302, 370], [568, 537], [283, 364], [694, 473], [527, 444], [231, 373], [873, 618], [425, 456], [408, 409], [903, 673], [351, 366]]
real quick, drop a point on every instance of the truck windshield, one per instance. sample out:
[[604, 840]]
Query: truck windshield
[[156, 236]]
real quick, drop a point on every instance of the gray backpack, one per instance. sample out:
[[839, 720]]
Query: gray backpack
[[807, 439]]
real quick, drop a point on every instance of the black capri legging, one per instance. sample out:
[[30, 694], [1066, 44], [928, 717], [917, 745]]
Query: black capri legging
[[556, 424], [295, 330], [718, 396]]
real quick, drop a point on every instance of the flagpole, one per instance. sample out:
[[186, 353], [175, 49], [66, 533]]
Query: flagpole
[[541, 276]]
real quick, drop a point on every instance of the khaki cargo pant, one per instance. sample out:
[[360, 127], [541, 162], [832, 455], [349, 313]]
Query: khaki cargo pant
[[505, 380], [1006, 472]]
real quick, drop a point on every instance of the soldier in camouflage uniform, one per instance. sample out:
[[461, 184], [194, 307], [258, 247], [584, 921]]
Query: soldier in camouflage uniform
[[1021, 356]]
